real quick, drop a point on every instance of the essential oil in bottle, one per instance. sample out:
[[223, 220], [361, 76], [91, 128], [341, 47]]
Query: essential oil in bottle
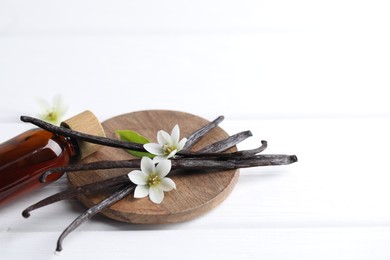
[[25, 157]]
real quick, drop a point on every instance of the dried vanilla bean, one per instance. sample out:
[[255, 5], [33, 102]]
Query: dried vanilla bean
[[75, 191], [225, 144], [135, 163], [253, 151], [205, 162], [108, 141], [120, 194], [83, 137], [99, 165], [223, 163], [197, 135], [266, 160], [192, 139], [234, 163]]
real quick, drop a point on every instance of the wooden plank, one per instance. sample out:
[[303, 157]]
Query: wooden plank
[[231, 243]]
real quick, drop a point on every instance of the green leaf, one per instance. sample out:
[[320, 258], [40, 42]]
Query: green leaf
[[131, 136]]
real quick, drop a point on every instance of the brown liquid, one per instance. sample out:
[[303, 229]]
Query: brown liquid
[[25, 157]]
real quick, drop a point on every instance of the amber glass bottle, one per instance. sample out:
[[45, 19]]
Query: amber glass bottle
[[25, 157]]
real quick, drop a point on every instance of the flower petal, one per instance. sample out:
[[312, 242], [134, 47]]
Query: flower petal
[[175, 134], [167, 184], [172, 154], [147, 165], [181, 144], [159, 158], [154, 148], [163, 138], [163, 168], [141, 191], [59, 105], [138, 177], [156, 194]]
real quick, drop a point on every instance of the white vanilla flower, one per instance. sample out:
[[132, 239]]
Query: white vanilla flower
[[151, 179], [168, 145], [52, 113]]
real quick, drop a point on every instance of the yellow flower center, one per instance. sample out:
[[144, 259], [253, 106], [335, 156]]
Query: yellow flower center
[[153, 180], [51, 116], [168, 149]]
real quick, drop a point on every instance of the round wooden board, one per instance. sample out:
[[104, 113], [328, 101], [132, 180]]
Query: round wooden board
[[197, 192]]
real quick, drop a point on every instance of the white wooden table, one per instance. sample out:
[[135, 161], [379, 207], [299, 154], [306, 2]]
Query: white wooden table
[[310, 78]]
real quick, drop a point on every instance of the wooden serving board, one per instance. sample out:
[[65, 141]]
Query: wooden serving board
[[197, 192]]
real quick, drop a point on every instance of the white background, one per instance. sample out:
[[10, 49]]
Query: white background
[[310, 77]]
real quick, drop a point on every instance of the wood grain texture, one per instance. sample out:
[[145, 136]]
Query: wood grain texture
[[197, 192]]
